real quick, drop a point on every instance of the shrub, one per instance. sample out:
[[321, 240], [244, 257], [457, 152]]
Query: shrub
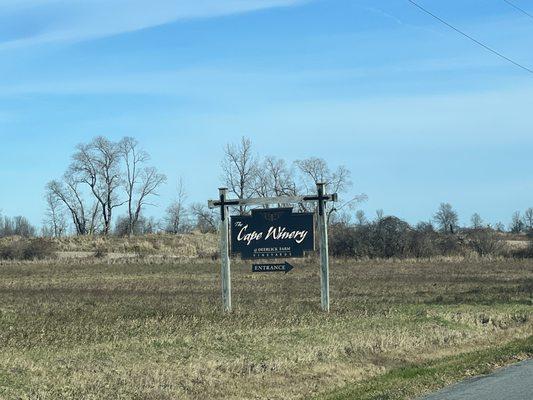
[[17, 226], [346, 241], [422, 243], [390, 238], [449, 244], [342, 241], [100, 252], [484, 241], [34, 249]]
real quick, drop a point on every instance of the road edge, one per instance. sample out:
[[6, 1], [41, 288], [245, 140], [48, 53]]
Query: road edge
[[415, 380]]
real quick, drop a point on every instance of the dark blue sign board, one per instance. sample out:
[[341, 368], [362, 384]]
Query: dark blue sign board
[[272, 233], [285, 267]]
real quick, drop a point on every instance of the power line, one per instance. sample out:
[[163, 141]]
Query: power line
[[519, 9], [470, 37]]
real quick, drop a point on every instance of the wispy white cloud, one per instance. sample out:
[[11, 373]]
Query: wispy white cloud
[[226, 82], [399, 21], [181, 82], [78, 20]]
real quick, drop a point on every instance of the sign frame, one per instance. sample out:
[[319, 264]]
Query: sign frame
[[224, 203]]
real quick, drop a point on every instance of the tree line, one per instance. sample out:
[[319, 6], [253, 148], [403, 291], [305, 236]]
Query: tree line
[[389, 236], [104, 176]]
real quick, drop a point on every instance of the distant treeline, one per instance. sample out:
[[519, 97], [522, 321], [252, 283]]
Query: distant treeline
[[16, 226], [108, 186], [389, 236], [106, 177]]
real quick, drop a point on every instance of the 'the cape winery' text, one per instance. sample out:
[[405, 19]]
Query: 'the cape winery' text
[[276, 233]]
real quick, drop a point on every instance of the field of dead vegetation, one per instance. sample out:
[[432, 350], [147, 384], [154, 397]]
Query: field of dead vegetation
[[155, 330], [184, 246]]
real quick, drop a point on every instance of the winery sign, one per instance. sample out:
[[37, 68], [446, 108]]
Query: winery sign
[[269, 233], [272, 233]]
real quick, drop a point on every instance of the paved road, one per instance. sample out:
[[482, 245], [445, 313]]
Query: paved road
[[511, 383]]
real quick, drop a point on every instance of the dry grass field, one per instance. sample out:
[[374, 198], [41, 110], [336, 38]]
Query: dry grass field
[[154, 330], [192, 245]]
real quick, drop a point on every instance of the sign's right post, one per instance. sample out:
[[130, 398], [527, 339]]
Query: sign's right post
[[224, 250], [324, 254]]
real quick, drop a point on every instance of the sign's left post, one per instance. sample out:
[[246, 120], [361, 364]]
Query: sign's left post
[[224, 250]]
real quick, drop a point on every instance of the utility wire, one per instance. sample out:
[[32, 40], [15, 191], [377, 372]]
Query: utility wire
[[471, 38], [519, 9]]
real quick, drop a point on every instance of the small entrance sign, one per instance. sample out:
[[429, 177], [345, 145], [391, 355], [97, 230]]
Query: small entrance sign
[[272, 233], [285, 267]]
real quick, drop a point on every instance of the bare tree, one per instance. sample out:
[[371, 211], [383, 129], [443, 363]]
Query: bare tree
[[97, 164], [55, 221], [476, 222], [351, 204], [314, 170], [150, 225], [528, 220], [69, 193], [499, 226], [360, 218], [273, 179], [517, 224], [134, 158], [340, 218], [263, 185], [23, 227], [177, 211], [239, 168], [95, 222], [7, 228], [141, 181], [19, 226], [207, 220], [446, 218], [283, 183]]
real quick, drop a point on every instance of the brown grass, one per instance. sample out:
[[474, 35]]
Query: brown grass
[[191, 245], [155, 330]]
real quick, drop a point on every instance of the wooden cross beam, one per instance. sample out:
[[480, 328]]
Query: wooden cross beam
[[321, 198], [223, 203], [271, 200]]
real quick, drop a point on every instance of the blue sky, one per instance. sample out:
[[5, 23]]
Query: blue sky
[[419, 114]]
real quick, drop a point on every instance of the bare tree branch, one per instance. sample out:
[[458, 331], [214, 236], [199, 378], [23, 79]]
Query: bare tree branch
[[239, 169], [97, 164], [177, 212], [141, 181]]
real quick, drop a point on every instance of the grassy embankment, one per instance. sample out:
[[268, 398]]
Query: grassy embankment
[[412, 380], [71, 330]]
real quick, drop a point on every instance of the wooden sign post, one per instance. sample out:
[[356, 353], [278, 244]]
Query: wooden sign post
[[324, 250], [272, 233], [224, 251]]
